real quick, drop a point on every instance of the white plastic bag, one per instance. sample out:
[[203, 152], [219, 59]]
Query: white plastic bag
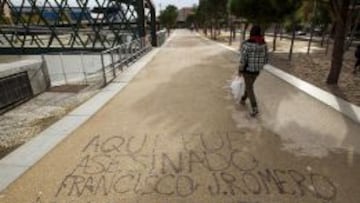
[[238, 88]]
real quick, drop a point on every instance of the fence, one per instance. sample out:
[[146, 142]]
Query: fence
[[115, 59], [94, 68], [38, 27]]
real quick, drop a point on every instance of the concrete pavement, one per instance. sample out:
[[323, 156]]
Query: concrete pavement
[[174, 134]]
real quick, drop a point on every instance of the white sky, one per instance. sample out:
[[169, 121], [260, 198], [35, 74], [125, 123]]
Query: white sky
[[158, 3], [177, 3], [164, 3]]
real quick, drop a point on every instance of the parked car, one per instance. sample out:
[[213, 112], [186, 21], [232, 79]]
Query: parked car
[[300, 32], [318, 31]]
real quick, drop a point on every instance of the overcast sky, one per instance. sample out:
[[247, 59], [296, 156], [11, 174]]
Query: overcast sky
[[163, 3], [178, 3]]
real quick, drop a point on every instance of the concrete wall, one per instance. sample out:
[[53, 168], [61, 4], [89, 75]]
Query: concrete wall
[[64, 69], [35, 69], [68, 69]]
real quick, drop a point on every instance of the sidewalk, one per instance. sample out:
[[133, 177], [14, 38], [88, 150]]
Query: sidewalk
[[313, 68], [174, 134]]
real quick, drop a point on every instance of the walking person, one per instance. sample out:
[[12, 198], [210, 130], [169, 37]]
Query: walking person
[[254, 55], [357, 56]]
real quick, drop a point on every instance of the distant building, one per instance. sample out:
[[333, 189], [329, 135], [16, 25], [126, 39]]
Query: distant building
[[184, 13], [51, 14], [70, 14]]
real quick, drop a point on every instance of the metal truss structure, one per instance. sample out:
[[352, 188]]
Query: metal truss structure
[[47, 26]]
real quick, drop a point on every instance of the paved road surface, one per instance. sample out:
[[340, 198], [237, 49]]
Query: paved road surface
[[175, 135]]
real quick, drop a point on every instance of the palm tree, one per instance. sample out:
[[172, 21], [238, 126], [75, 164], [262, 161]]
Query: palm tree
[[340, 13]]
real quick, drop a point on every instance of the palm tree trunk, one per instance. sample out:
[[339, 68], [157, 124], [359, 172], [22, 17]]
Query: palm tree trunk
[[230, 30], [234, 31], [322, 39], [244, 31], [292, 39], [328, 40], [276, 30], [323, 35], [219, 27], [356, 25], [338, 50], [331, 34], [311, 38]]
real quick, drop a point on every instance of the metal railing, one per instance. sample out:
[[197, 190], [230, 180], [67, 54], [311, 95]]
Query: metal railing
[[94, 69], [121, 56], [82, 68], [42, 27]]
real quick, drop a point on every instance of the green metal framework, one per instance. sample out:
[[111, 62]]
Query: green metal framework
[[44, 26]]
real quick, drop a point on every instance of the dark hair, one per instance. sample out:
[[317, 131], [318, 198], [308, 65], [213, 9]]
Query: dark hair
[[255, 31]]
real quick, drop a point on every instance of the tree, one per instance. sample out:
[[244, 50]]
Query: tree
[[264, 12], [191, 19], [315, 14], [200, 16], [210, 13], [308, 13], [323, 18], [168, 17], [257, 12], [355, 14], [284, 10], [204, 16], [339, 9], [218, 12], [5, 14]]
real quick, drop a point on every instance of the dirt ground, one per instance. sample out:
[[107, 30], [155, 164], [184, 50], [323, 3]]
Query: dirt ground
[[19, 125], [174, 134], [313, 68]]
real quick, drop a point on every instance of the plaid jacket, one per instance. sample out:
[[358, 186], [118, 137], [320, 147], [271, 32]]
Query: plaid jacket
[[253, 57]]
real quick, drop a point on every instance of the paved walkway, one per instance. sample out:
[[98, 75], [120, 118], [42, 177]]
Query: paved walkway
[[175, 135]]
